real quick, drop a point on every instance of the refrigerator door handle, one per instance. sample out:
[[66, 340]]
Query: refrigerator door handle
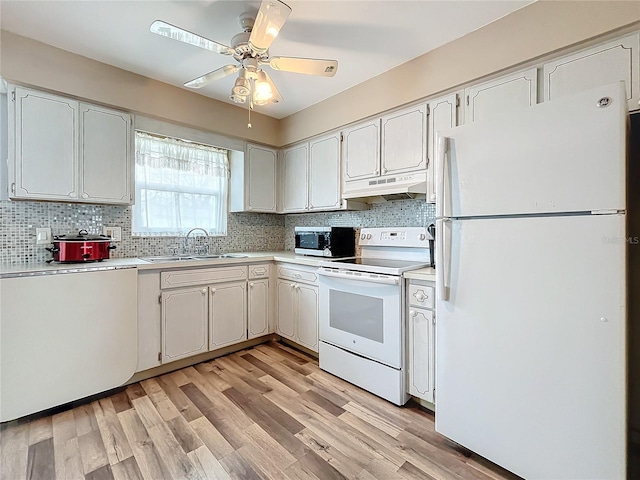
[[443, 260], [440, 169]]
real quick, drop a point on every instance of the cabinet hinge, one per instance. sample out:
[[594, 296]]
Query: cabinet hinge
[[341, 137], [159, 356], [434, 395], [433, 319], [160, 299], [428, 110], [467, 100], [13, 188], [13, 96], [457, 100]]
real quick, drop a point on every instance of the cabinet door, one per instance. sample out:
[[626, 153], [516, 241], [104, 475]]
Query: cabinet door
[[404, 140], [227, 314], [502, 96], [261, 179], [287, 305], [105, 155], [324, 173], [307, 321], [184, 323], [361, 150], [612, 62], [295, 178], [421, 354], [45, 149], [258, 299], [442, 116]]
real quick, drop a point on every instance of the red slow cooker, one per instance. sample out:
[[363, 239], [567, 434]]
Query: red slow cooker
[[81, 247]]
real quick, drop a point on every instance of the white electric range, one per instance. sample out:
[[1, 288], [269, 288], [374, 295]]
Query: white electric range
[[362, 311]]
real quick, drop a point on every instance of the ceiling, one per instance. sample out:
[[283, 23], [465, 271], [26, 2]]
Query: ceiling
[[366, 37]]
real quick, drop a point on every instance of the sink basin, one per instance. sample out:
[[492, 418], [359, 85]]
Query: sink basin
[[186, 258]]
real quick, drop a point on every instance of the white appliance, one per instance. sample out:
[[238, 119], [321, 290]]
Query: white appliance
[[362, 313], [530, 341]]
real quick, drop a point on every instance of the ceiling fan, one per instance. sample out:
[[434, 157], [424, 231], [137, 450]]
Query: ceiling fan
[[250, 49]]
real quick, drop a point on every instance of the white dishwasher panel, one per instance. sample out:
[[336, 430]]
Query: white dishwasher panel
[[65, 337]]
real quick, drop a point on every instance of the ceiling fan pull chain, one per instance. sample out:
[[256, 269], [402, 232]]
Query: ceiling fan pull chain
[[250, 108]]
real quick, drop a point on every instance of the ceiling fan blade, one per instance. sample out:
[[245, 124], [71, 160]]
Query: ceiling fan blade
[[212, 76], [277, 98], [176, 33], [309, 66], [269, 21]]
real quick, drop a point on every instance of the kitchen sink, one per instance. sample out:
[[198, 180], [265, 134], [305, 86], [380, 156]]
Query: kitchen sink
[[186, 258]]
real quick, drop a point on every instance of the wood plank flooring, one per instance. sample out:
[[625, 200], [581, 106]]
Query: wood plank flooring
[[264, 413]]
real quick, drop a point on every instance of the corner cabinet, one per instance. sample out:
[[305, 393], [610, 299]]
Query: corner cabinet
[[502, 96], [253, 180], [614, 61], [61, 149], [310, 175]]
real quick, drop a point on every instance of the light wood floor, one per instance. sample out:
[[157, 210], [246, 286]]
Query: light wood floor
[[266, 412]]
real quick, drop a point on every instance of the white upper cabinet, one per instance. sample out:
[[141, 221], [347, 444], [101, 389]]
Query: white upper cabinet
[[105, 153], [324, 173], [295, 178], [502, 96], [43, 146], [60, 149], [404, 140], [442, 116], [253, 179], [611, 62], [362, 151]]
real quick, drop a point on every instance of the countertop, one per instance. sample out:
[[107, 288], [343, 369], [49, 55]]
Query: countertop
[[118, 263], [427, 274]]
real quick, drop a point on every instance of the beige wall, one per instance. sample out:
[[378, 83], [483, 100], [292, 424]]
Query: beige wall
[[533, 31], [29, 62]]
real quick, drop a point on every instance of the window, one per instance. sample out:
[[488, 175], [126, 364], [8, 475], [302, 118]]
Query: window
[[179, 185]]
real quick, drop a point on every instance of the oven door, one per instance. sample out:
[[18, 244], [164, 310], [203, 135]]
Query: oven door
[[362, 315]]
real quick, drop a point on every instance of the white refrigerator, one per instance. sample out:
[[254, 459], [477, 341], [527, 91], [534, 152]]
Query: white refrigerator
[[531, 310]]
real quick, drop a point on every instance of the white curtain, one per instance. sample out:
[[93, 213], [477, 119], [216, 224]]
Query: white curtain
[[180, 185]]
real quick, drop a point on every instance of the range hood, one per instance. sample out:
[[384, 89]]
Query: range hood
[[388, 187]]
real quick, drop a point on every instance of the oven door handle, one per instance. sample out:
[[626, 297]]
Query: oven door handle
[[359, 278]]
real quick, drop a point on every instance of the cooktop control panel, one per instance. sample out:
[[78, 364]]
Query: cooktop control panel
[[400, 237]]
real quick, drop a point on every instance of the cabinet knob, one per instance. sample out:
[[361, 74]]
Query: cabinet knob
[[203, 291], [384, 170], [293, 285], [377, 172], [212, 291], [251, 285], [297, 287], [413, 313], [85, 195], [420, 296]]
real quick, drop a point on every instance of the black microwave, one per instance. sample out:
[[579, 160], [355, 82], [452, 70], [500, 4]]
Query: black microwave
[[326, 241]]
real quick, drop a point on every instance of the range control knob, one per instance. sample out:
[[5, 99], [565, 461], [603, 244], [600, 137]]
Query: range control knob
[[368, 236], [422, 236], [362, 236]]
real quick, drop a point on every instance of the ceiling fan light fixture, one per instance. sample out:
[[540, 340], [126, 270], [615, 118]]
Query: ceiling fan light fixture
[[242, 86], [238, 98], [262, 91]]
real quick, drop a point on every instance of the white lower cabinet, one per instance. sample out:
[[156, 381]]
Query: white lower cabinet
[[184, 322], [421, 341], [227, 314], [258, 305], [297, 310]]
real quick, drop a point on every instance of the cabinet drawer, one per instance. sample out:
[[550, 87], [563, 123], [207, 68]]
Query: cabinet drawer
[[421, 296], [298, 274], [259, 271], [182, 278]]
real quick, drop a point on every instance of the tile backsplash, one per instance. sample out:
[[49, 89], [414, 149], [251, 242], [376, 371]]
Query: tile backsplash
[[18, 221], [246, 231]]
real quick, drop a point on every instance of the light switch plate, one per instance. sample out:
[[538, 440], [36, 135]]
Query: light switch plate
[[43, 236], [114, 232]]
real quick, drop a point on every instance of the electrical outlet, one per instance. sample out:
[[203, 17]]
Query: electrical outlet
[[114, 232], [43, 236]]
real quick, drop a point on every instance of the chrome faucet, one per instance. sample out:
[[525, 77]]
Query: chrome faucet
[[186, 238]]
